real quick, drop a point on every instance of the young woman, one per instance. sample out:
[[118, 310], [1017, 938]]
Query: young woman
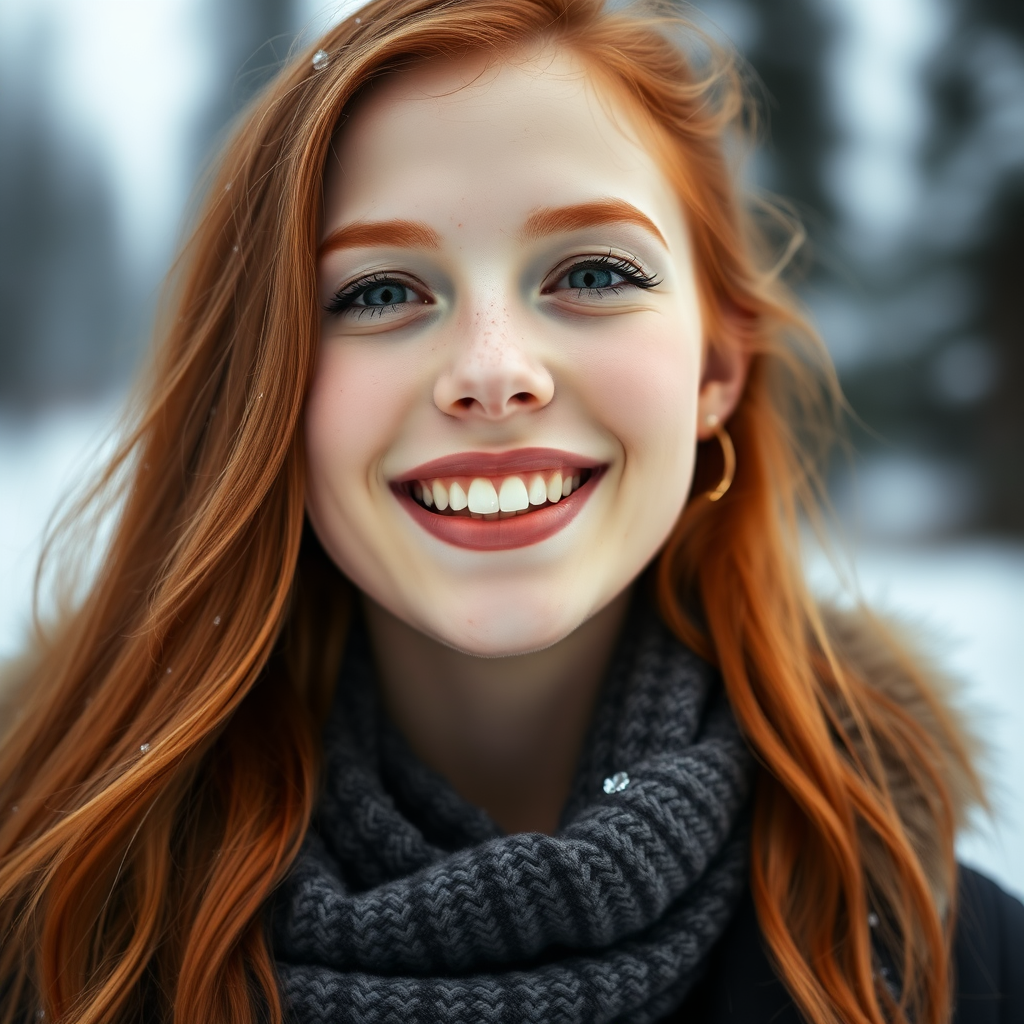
[[451, 659]]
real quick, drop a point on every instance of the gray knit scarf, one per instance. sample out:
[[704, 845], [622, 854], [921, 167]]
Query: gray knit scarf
[[407, 905]]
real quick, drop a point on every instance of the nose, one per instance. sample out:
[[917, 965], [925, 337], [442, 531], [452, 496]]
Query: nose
[[492, 375]]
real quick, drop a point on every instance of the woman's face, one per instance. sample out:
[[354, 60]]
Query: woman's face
[[502, 425]]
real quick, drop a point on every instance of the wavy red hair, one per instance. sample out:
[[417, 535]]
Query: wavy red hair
[[160, 760]]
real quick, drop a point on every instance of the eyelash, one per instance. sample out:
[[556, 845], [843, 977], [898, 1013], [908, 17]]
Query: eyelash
[[633, 274], [344, 299]]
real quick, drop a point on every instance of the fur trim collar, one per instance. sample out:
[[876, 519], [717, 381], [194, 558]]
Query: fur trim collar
[[893, 659]]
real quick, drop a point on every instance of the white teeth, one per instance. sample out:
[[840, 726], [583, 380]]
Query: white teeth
[[483, 498], [538, 490], [555, 487], [440, 495], [512, 495], [457, 497]]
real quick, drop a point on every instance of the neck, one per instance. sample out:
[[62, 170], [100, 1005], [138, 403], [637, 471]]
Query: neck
[[505, 732]]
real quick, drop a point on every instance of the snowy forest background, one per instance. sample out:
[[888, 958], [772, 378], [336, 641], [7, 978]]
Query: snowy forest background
[[896, 128]]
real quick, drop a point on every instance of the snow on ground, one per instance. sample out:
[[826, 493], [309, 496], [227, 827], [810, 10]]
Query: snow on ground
[[968, 594]]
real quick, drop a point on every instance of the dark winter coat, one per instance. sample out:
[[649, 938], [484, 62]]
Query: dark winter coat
[[742, 988]]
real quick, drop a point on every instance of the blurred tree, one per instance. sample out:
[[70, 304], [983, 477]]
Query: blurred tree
[[252, 38], [929, 336], [73, 321], [61, 308], [956, 396], [788, 50]]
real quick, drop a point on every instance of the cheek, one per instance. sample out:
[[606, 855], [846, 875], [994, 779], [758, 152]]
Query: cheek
[[337, 424], [644, 390], [353, 411]]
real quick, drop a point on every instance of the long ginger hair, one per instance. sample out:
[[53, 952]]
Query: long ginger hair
[[160, 757]]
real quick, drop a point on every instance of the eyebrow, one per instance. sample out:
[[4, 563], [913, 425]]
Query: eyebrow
[[549, 220], [404, 234]]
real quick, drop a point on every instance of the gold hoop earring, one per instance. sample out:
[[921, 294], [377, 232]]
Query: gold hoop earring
[[728, 456]]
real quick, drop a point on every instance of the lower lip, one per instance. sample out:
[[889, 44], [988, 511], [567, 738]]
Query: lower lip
[[501, 534]]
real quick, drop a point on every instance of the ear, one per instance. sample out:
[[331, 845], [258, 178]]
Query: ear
[[726, 364]]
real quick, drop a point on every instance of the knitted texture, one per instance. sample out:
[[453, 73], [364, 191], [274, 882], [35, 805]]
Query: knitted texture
[[407, 904]]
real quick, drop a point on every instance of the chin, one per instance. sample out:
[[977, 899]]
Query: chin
[[503, 630]]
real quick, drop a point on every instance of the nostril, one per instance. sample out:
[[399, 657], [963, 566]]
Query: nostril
[[496, 405]]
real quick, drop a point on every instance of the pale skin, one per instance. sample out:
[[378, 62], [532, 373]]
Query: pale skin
[[490, 660]]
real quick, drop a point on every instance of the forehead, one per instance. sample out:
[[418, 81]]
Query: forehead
[[465, 139]]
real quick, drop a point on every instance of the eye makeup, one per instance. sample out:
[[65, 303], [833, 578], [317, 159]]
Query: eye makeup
[[380, 292], [385, 292]]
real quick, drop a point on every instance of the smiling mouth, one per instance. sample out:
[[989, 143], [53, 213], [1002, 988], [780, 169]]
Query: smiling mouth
[[487, 501], [496, 497]]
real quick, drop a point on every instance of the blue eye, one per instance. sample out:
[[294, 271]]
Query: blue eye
[[590, 277], [602, 275], [375, 296], [385, 295]]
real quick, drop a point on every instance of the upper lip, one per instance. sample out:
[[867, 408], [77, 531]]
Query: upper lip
[[521, 460]]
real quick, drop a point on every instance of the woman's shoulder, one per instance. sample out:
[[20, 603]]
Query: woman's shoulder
[[988, 958], [741, 987]]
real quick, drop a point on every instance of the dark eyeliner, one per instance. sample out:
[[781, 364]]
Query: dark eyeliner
[[344, 298], [628, 270], [620, 265]]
